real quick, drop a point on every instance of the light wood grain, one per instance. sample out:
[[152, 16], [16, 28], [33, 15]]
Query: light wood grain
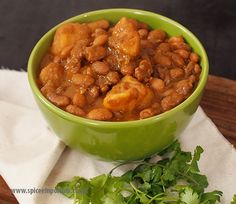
[[219, 103]]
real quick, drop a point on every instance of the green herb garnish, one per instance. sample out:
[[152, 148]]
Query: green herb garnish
[[173, 179]]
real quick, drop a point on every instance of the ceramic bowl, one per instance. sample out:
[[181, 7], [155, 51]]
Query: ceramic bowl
[[119, 141]]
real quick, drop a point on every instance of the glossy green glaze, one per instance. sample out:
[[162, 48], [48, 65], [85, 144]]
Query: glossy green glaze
[[120, 141]]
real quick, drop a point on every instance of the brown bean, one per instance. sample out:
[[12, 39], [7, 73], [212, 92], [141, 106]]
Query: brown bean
[[79, 100], [194, 57], [104, 88], [82, 80], [162, 60], [142, 25], [171, 101], [197, 69], [184, 87], [192, 78], [162, 71], [189, 68], [49, 87], [156, 36], [177, 60], [180, 46], [146, 44], [72, 63], [87, 70], [149, 112], [100, 40], [73, 109], [164, 47], [176, 73], [168, 92], [58, 100], [144, 71], [52, 72], [94, 91], [143, 33], [127, 69], [157, 84], [100, 67], [95, 53], [146, 113], [104, 24], [100, 114], [176, 39], [183, 53], [99, 31], [113, 77]]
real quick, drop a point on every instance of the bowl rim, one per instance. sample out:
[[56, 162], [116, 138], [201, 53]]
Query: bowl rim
[[112, 124]]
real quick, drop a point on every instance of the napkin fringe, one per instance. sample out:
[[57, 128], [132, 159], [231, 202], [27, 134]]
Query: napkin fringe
[[11, 69]]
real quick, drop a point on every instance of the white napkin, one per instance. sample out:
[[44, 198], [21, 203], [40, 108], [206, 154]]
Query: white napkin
[[32, 157]]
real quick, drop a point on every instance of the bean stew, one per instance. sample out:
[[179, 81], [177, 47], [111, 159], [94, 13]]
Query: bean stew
[[118, 72]]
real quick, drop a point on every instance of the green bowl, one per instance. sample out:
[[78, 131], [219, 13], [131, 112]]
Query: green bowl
[[119, 141]]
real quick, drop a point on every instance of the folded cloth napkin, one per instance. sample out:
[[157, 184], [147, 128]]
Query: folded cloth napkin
[[32, 157]]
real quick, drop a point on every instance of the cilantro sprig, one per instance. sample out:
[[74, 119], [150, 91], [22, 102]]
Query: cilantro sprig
[[175, 178]]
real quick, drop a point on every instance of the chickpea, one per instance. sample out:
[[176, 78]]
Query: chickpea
[[183, 53], [176, 73], [157, 84], [73, 109], [58, 100], [156, 36], [100, 40], [100, 114], [100, 67], [113, 77], [82, 80], [194, 57], [143, 33], [79, 100]]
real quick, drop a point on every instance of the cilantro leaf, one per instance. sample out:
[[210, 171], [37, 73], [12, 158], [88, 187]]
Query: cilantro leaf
[[175, 178], [211, 197], [188, 196], [234, 200]]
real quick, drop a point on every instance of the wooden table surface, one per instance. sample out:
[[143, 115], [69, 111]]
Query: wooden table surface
[[219, 103]]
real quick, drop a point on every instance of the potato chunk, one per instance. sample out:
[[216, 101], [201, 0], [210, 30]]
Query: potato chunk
[[125, 37], [127, 95], [52, 72], [67, 35]]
